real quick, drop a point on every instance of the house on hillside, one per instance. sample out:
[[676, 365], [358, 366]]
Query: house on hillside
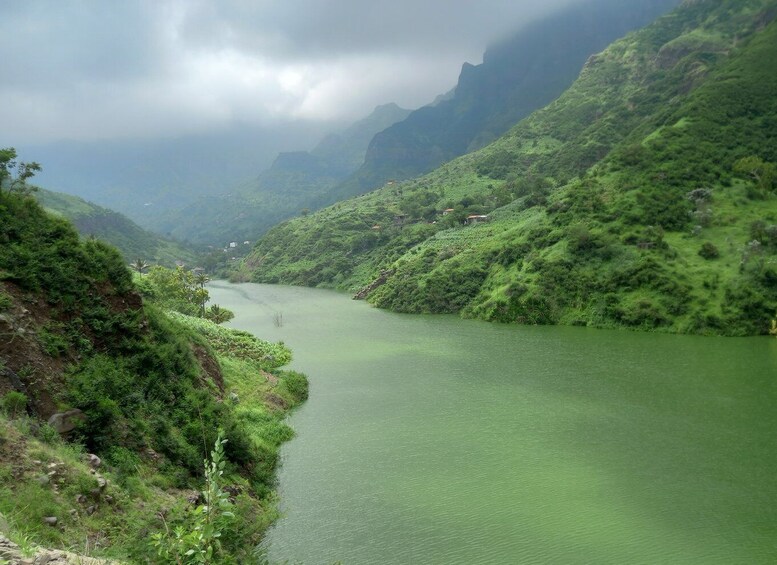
[[476, 219], [447, 211]]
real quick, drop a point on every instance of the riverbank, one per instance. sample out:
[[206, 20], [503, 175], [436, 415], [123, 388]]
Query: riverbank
[[53, 494]]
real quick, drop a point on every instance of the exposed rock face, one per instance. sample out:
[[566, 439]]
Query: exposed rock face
[[382, 278], [11, 553], [65, 422]]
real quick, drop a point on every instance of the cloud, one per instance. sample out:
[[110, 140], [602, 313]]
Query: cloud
[[105, 70]]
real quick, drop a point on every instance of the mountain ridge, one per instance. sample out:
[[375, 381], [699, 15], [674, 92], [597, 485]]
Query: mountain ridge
[[595, 211], [518, 75], [291, 184]]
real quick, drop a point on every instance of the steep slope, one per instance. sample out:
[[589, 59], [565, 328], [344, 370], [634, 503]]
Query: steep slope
[[642, 197], [116, 229], [294, 182], [142, 391], [517, 76]]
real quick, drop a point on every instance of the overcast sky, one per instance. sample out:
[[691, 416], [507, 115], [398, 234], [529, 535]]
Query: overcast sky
[[117, 69]]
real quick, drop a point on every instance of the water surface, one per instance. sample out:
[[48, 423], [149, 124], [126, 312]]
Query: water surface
[[435, 440]]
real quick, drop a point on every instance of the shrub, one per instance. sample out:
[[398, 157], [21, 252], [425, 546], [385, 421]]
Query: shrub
[[5, 301], [709, 251], [14, 403]]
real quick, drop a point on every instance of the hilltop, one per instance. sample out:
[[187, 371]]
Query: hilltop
[[642, 197]]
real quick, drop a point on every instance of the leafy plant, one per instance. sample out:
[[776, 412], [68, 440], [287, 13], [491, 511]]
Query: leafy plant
[[237, 343], [219, 315], [199, 539]]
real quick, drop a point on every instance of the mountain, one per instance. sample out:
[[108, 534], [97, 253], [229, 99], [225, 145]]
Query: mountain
[[643, 197], [116, 229], [294, 182], [517, 76], [144, 177]]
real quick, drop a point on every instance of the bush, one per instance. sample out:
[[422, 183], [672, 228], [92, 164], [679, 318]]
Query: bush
[[709, 251], [14, 403], [297, 385], [5, 301]]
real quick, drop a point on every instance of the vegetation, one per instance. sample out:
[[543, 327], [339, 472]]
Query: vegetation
[[115, 229], [606, 208], [15, 174], [149, 391]]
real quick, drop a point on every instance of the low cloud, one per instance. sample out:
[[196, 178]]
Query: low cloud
[[109, 70]]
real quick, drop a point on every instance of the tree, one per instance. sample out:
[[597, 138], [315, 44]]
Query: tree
[[177, 289], [219, 315], [763, 173], [13, 175], [202, 279], [139, 265]]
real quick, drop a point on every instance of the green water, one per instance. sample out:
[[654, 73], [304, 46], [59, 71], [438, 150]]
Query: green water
[[435, 440]]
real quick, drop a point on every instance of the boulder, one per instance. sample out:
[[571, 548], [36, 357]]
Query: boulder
[[93, 461], [66, 422]]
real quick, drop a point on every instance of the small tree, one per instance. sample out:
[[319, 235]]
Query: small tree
[[219, 315], [202, 279], [199, 540], [763, 173], [139, 265], [13, 175]]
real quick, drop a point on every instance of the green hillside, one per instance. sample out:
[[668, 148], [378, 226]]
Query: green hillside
[[114, 228], [295, 182], [643, 197], [110, 405]]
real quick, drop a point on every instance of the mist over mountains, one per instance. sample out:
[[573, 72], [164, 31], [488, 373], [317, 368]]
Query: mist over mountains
[[519, 74]]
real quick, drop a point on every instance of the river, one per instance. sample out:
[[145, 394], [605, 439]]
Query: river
[[436, 440]]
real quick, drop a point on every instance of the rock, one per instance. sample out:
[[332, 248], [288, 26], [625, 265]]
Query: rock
[[8, 549], [91, 509], [65, 422], [234, 398], [194, 497], [43, 480], [80, 498], [50, 520], [101, 482], [93, 461]]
